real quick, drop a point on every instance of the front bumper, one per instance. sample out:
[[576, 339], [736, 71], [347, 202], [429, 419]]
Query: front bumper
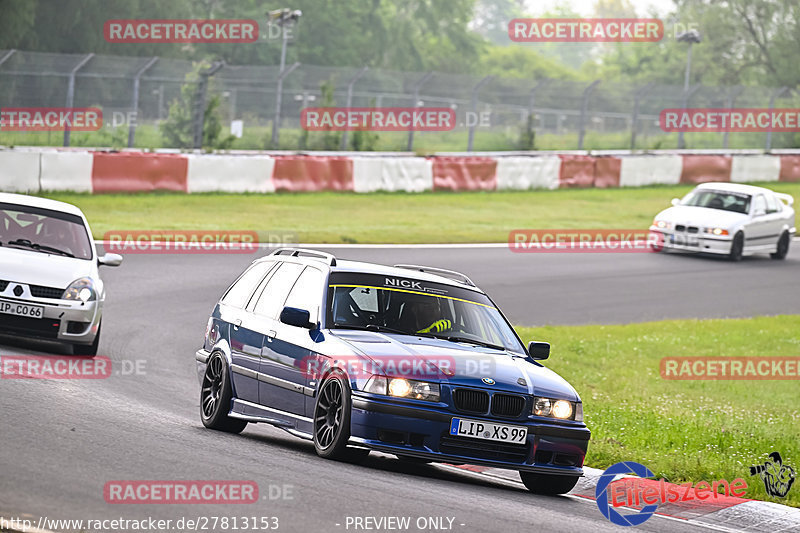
[[62, 320], [423, 432], [693, 242]]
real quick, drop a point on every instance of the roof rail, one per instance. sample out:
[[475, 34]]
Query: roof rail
[[452, 274], [295, 252]]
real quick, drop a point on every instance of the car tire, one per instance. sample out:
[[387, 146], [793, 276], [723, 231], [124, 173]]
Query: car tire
[[215, 397], [548, 484], [89, 350], [737, 247], [783, 247], [331, 425]]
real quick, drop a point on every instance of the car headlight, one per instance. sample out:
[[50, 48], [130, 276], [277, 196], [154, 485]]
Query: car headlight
[[663, 224], [717, 231], [81, 289], [561, 409], [403, 388]]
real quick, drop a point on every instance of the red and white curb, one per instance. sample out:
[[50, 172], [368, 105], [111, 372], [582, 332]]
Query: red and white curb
[[728, 514]]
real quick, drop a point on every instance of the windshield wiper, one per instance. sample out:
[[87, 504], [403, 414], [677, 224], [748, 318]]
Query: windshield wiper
[[453, 338], [38, 247]]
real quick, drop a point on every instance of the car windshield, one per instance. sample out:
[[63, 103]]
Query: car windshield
[[724, 200], [43, 231], [413, 307]]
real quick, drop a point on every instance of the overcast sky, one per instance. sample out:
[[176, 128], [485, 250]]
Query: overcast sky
[[584, 7]]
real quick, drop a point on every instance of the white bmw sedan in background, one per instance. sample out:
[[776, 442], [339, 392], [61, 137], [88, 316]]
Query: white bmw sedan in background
[[50, 287], [729, 219]]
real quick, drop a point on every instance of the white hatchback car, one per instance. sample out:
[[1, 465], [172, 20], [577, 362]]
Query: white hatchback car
[[729, 219], [50, 287]]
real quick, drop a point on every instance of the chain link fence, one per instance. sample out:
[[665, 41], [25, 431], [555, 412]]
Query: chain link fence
[[493, 113]]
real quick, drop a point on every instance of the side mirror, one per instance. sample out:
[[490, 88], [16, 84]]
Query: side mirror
[[675, 201], [297, 317], [539, 350], [112, 260]]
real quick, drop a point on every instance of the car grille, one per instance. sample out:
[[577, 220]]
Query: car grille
[[560, 459], [693, 229], [471, 401], [38, 291], [507, 405], [40, 327], [483, 449]]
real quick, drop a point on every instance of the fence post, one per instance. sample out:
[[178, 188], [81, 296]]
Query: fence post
[[7, 55], [71, 90], [775, 94], [278, 101], [136, 79], [343, 145], [584, 108], [474, 107], [687, 95], [199, 112], [730, 100], [415, 104], [635, 116]]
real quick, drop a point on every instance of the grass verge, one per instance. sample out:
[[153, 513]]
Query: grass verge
[[682, 430], [432, 217]]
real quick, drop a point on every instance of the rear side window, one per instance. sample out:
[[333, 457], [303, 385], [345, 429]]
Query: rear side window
[[239, 293], [759, 204], [307, 292], [270, 302], [773, 206]]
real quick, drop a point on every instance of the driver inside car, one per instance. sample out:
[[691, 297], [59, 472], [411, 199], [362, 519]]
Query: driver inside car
[[428, 312]]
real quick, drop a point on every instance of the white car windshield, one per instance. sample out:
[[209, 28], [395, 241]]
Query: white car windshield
[[43, 231], [724, 200], [456, 314]]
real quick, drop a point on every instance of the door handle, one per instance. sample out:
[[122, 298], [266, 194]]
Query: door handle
[[271, 335], [237, 323]]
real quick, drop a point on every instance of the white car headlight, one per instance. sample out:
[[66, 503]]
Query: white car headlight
[[561, 409], [403, 388], [663, 224], [82, 289], [716, 231]]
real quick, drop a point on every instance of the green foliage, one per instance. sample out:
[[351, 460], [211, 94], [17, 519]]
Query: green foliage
[[178, 129]]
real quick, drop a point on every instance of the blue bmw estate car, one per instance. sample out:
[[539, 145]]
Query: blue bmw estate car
[[408, 360]]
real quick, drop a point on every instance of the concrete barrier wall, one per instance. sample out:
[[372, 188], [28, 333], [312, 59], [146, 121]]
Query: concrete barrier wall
[[66, 171], [31, 170], [19, 172], [230, 173]]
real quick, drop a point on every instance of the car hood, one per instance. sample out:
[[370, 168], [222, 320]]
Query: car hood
[[458, 364], [701, 216], [36, 268]]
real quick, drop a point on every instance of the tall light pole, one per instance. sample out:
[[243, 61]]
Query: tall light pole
[[691, 37], [283, 18]]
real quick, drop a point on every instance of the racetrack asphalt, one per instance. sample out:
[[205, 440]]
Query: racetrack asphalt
[[63, 440]]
